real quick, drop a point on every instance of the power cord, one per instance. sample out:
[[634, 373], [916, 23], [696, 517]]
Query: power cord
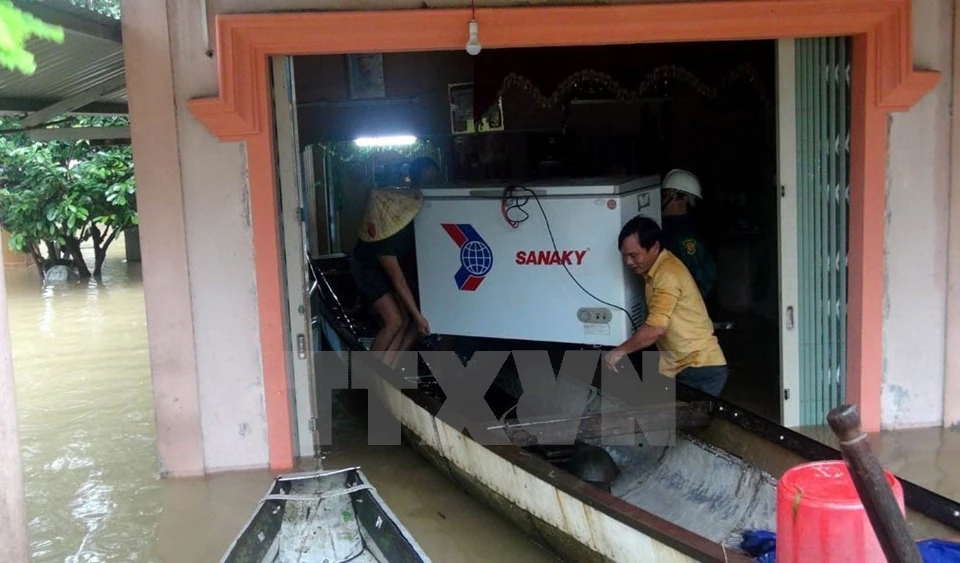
[[508, 194], [517, 204]]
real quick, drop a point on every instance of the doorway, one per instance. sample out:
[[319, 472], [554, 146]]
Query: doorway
[[630, 110], [883, 81], [766, 132]]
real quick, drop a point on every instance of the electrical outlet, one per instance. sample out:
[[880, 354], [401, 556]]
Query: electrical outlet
[[594, 316]]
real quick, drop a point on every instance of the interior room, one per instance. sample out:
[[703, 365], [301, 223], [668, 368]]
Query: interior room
[[577, 112]]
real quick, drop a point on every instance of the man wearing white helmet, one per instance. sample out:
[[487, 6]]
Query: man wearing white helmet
[[680, 192]]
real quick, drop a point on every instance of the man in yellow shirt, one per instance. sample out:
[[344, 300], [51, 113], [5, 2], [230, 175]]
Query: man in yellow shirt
[[677, 319]]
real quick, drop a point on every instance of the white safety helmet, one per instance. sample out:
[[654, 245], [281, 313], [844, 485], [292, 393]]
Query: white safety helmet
[[682, 181]]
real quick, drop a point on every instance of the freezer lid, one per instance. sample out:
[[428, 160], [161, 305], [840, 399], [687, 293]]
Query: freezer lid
[[569, 187]]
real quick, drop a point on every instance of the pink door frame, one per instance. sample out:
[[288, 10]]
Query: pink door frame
[[883, 81]]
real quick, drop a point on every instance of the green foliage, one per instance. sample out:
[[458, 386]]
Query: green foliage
[[55, 196], [16, 28]]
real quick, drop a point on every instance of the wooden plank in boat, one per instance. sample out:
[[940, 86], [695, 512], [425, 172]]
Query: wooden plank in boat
[[667, 416]]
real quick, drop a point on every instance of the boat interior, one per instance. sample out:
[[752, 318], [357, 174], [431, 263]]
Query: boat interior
[[715, 479], [324, 516]]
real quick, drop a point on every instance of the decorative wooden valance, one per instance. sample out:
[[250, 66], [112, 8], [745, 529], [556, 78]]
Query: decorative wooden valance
[[659, 77]]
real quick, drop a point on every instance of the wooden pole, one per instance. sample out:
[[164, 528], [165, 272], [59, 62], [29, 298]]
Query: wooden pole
[[875, 492]]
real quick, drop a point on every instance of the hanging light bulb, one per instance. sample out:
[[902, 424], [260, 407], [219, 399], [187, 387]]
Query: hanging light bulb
[[473, 45]]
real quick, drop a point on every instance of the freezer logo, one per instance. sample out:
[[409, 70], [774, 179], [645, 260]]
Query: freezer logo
[[551, 257], [476, 258]]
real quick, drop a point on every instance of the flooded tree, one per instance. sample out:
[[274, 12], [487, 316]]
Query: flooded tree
[[56, 196]]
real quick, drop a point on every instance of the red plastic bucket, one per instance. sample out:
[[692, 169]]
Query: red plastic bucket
[[821, 519]]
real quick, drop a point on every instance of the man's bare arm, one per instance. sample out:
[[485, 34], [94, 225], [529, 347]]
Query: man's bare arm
[[645, 337]]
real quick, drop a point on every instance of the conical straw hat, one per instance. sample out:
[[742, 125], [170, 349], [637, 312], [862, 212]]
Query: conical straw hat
[[388, 211]]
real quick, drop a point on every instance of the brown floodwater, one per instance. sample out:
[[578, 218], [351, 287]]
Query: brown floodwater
[[86, 420], [90, 464], [87, 432]]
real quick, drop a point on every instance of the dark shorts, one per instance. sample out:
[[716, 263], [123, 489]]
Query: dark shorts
[[372, 282], [709, 379]]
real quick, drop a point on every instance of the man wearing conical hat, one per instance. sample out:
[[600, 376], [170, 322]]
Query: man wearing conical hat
[[385, 241]]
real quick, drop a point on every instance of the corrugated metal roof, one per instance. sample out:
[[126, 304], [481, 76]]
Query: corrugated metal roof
[[90, 55]]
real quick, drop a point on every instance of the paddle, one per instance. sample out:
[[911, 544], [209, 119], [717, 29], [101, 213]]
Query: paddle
[[874, 490]]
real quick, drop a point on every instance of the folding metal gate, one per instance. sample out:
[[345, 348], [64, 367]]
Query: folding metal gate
[[823, 187]]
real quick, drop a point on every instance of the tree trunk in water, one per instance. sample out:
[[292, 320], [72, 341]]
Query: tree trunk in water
[[98, 252], [74, 247], [100, 249], [53, 253], [38, 260], [99, 255], [56, 256]]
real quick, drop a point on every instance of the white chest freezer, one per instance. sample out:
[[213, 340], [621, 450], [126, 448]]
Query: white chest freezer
[[488, 268]]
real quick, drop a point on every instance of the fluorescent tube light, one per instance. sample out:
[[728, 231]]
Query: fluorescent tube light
[[392, 141]]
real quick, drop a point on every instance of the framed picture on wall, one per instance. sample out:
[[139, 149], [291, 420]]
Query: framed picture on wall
[[461, 112], [365, 73]]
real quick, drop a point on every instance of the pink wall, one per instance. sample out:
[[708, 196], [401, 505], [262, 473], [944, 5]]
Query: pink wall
[[166, 278], [916, 237], [216, 215], [951, 391], [197, 251], [13, 513]]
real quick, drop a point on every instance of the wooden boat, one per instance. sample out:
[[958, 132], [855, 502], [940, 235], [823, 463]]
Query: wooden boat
[[687, 502], [324, 517]]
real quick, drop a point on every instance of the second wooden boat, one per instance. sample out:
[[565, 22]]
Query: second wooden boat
[[324, 517]]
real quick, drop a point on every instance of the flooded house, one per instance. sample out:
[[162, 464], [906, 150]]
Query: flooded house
[[820, 132]]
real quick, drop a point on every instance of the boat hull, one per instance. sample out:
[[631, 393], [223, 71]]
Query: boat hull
[[576, 520], [686, 503]]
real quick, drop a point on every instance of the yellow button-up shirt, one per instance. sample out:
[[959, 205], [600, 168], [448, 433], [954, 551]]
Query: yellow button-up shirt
[[675, 304]]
